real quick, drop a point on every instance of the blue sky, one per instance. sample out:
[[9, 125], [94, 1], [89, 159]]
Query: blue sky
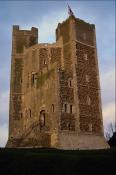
[[45, 15]]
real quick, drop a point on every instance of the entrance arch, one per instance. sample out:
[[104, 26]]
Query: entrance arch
[[42, 118]]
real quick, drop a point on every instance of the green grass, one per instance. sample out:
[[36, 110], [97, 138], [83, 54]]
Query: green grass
[[56, 162]]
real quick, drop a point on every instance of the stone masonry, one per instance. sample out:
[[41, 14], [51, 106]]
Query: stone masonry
[[55, 98]]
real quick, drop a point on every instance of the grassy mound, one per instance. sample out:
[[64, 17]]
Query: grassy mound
[[56, 162]]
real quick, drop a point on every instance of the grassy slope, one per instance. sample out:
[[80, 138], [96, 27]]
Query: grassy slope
[[56, 162]]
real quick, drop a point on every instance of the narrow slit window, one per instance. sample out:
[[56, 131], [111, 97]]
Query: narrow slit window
[[21, 114], [44, 61], [29, 112], [44, 119], [21, 80], [65, 108], [52, 107], [34, 78], [70, 83], [68, 126], [71, 109]]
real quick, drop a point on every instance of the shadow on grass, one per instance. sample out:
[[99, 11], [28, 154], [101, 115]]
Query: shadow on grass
[[45, 161]]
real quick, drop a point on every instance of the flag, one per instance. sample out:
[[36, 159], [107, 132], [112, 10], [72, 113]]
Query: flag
[[70, 12]]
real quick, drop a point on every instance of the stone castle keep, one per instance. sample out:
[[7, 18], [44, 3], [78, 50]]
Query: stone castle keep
[[55, 96]]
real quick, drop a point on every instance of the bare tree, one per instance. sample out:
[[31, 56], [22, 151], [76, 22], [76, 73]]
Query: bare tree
[[110, 134]]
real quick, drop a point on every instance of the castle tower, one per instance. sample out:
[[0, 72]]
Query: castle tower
[[80, 57], [55, 98], [20, 39]]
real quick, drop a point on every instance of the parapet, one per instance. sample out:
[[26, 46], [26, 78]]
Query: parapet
[[17, 30], [15, 27]]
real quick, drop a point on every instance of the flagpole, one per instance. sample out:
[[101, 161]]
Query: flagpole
[[70, 12]]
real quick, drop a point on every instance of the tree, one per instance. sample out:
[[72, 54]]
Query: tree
[[111, 135]]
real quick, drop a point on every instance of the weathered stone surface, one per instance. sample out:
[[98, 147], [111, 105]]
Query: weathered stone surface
[[55, 93]]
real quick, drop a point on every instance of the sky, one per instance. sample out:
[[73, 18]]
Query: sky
[[45, 15]]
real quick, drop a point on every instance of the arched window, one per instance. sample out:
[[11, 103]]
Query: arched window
[[42, 118], [45, 61]]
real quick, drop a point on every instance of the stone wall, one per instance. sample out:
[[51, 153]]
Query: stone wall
[[20, 39], [88, 90], [67, 100], [40, 89], [55, 91], [63, 30], [72, 141], [84, 32]]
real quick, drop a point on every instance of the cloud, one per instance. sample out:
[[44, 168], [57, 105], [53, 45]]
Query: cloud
[[4, 78], [109, 114], [108, 97], [108, 86], [48, 25], [4, 107], [3, 135], [109, 119]]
